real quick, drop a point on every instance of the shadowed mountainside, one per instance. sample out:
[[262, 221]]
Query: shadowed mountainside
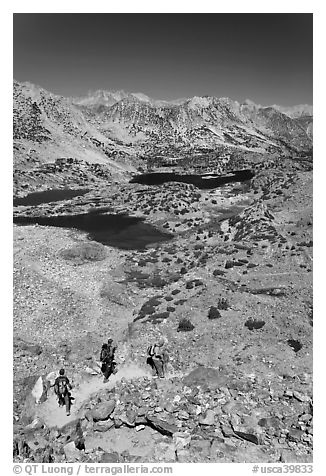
[[116, 128]]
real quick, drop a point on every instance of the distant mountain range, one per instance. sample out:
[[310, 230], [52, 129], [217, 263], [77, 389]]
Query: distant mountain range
[[103, 97], [196, 122], [108, 98], [104, 124], [295, 111]]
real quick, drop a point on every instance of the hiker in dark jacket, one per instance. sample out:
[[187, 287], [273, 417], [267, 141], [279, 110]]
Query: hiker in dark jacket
[[61, 388], [107, 359], [158, 358]]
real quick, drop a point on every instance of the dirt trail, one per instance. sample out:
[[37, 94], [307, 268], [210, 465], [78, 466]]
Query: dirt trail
[[54, 416]]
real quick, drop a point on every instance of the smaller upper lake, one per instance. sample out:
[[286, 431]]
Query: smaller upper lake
[[54, 195], [205, 181]]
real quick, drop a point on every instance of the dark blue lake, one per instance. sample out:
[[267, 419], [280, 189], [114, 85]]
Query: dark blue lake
[[205, 181], [54, 195], [120, 231]]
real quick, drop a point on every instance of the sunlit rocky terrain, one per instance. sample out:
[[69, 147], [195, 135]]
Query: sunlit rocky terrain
[[218, 262]]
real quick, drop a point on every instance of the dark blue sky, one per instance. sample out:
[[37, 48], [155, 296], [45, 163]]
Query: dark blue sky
[[263, 57]]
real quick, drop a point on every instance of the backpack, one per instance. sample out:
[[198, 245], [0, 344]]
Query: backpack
[[62, 386], [106, 355], [152, 353], [111, 351], [151, 350]]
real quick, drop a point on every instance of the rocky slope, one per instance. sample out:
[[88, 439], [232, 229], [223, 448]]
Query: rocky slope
[[198, 122], [47, 127], [231, 293], [228, 285], [122, 130]]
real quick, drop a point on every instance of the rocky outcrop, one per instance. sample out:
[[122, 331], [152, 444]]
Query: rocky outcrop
[[102, 411], [198, 416], [206, 377]]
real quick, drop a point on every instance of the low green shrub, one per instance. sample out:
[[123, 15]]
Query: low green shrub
[[83, 252], [185, 325], [218, 272], [222, 304], [214, 313]]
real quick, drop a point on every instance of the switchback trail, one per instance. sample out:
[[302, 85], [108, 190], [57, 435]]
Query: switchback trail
[[55, 416]]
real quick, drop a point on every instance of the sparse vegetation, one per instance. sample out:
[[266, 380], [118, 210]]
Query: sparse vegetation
[[158, 317], [175, 291], [185, 325], [148, 307], [222, 304], [83, 252], [218, 272], [214, 313], [295, 344], [254, 324]]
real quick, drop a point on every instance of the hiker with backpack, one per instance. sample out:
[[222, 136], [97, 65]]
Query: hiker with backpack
[[107, 359], [158, 358], [61, 389]]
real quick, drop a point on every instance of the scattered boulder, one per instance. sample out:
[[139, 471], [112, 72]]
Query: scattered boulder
[[140, 427], [113, 457], [300, 397], [183, 415], [36, 424], [91, 371], [181, 440], [228, 407], [288, 456], [165, 452], [215, 452], [38, 442], [103, 426], [227, 430], [270, 422], [128, 417], [183, 456], [208, 418], [39, 391], [271, 291], [71, 452], [205, 377], [103, 410], [201, 446], [162, 426], [295, 435], [247, 436]]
